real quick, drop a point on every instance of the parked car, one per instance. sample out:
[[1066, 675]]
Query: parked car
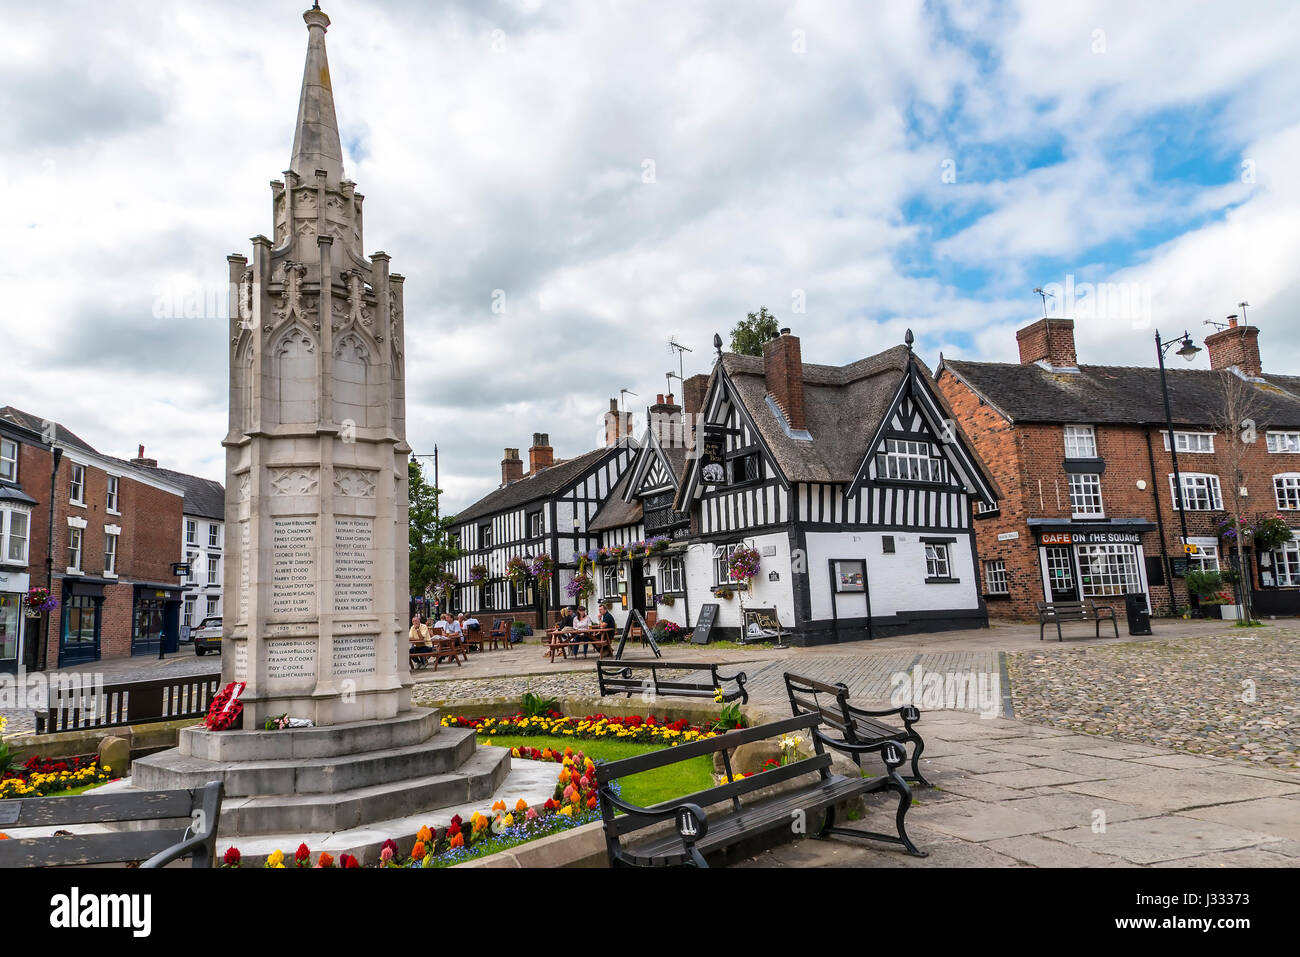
[[207, 637]]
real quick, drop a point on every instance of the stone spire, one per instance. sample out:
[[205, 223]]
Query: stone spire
[[316, 144]]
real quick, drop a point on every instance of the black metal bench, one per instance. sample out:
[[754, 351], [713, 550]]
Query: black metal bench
[[702, 828], [71, 705], [857, 725], [1057, 612], [619, 677], [155, 847]]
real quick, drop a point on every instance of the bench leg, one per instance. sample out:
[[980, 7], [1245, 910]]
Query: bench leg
[[917, 747], [904, 802]]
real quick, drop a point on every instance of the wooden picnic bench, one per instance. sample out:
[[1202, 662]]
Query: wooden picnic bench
[[702, 827], [620, 676], [438, 651], [1057, 612], [200, 808], [565, 642], [855, 725]]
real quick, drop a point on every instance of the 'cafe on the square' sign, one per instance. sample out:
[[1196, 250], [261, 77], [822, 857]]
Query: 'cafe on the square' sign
[[1079, 561]]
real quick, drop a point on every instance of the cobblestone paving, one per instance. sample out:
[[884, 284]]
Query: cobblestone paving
[[1185, 694]]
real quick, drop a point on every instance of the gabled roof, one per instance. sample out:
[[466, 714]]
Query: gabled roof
[[1121, 395], [538, 485], [843, 406]]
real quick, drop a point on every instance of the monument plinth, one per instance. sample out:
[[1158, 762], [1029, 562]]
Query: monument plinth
[[316, 453]]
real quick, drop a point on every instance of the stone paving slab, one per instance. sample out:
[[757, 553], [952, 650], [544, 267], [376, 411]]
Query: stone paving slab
[[1154, 839], [1036, 851], [1177, 790], [1274, 815], [1065, 810]]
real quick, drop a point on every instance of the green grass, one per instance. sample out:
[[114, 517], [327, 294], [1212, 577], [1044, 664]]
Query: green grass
[[82, 789], [645, 789]]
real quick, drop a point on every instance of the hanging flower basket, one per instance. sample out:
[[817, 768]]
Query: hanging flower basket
[[517, 570], [1270, 531], [542, 567], [478, 574], [744, 564], [39, 600]]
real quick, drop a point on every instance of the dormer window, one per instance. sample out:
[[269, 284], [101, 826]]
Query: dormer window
[[1080, 442], [909, 461], [745, 468]]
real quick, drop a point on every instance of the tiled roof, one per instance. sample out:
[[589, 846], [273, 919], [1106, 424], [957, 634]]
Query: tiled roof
[[616, 513], [1119, 394], [537, 486], [203, 497], [34, 423]]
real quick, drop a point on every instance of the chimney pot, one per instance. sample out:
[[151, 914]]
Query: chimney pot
[[541, 455], [512, 467]]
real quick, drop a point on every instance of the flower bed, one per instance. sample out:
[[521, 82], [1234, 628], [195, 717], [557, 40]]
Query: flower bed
[[573, 803], [41, 777], [592, 727]]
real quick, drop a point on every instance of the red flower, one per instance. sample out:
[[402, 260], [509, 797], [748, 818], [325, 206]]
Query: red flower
[[347, 860], [301, 855], [231, 858]]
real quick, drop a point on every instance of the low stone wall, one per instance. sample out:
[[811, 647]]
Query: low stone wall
[[142, 739]]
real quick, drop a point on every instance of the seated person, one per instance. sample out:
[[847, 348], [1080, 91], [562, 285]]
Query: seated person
[[419, 636], [581, 623], [439, 627], [470, 625], [607, 620], [451, 627]]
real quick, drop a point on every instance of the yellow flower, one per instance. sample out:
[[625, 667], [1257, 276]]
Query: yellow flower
[[276, 859]]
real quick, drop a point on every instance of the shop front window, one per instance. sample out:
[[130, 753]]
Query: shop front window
[[81, 622], [1108, 569], [1286, 564], [10, 619]]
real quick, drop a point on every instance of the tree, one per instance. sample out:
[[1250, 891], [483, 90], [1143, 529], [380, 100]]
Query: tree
[[1237, 418], [751, 332], [431, 544]]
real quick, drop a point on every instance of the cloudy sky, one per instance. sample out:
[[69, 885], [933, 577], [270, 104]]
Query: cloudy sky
[[629, 171]]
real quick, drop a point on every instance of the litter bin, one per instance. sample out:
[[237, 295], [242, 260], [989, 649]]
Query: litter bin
[[1139, 619]]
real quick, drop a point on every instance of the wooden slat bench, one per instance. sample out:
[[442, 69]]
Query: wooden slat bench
[[154, 847], [71, 706], [702, 827], [856, 726], [622, 677], [1057, 612]]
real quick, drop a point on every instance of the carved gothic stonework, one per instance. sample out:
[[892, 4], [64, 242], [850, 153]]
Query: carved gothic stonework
[[244, 490], [354, 483], [295, 481], [358, 310], [293, 303]]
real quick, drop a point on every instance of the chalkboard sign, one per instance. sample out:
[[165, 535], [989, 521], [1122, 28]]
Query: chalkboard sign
[[704, 624], [647, 634]]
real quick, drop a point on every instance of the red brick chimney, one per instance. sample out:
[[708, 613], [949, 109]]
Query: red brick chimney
[[512, 467], [143, 462], [1235, 346], [783, 369], [1050, 341], [541, 455], [694, 390], [618, 425], [666, 422]]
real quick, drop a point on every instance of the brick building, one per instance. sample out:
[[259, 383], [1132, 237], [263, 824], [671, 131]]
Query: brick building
[[1081, 453], [117, 531]]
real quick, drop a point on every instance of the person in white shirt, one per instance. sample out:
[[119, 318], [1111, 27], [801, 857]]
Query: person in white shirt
[[438, 627], [452, 627]]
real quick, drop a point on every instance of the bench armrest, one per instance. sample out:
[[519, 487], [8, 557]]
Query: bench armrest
[[888, 745], [868, 713], [183, 849]]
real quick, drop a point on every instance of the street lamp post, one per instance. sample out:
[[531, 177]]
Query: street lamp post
[[1188, 351]]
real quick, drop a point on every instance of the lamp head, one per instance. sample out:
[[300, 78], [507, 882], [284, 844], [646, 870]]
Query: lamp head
[[1189, 349]]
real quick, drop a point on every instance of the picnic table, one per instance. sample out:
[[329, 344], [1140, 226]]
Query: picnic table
[[566, 640]]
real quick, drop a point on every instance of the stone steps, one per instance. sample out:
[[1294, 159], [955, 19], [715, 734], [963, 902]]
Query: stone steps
[[440, 754], [409, 728], [474, 781]]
